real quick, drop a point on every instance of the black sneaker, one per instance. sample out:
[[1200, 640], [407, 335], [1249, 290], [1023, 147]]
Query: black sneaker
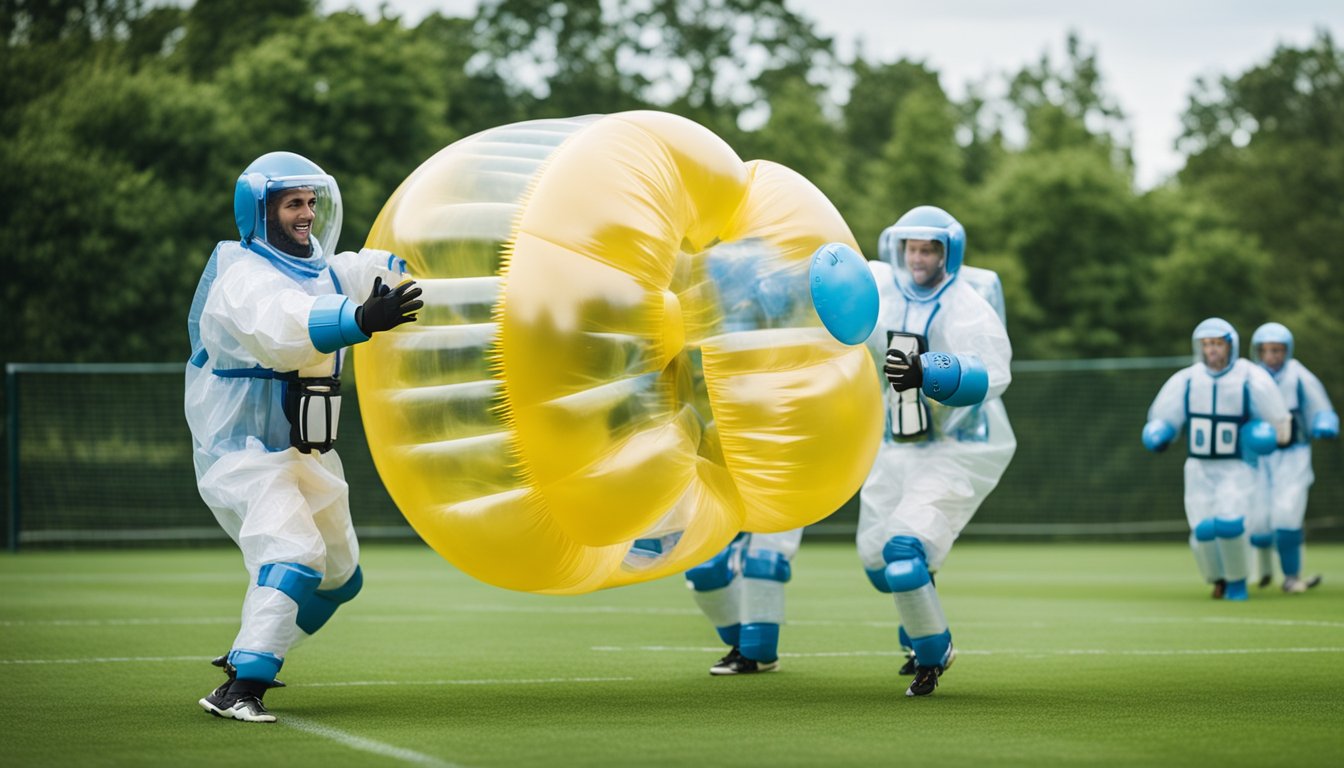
[[737, 664], [238, 706], [909, 668], [1293, 585], [1219, 589], [1264, 581], [223, 663], [926, 678]]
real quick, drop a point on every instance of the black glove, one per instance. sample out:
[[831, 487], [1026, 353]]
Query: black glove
[[903, 372], [388, 307]]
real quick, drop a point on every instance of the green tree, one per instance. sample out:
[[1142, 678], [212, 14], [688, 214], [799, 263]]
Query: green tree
[[570, 51], [1066, 106], [1267, 148], [1084, 241], [798, 135], [365, 101], [1211, 268], [903, 149], [109, 198], [218, 30]]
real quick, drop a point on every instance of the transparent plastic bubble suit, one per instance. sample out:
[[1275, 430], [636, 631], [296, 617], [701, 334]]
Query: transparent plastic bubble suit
[[617, 367]]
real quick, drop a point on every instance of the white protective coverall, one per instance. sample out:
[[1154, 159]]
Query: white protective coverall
[[278, 504], [930, 487]]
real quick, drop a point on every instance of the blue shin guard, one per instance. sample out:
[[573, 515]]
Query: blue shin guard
[[922, 620], [1234, 548], [731, 635], [255, 665], [1289, 542], [760, 641]]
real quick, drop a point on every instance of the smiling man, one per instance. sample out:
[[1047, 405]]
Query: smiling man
[[289, 220], [273, 314]]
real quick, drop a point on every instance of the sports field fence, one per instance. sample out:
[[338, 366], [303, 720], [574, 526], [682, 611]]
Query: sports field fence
[[100, 455]]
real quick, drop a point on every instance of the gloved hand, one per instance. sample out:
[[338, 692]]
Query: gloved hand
[[388, 307], [903, 372]]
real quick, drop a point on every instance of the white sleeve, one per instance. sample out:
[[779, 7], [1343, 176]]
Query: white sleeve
[[1169, 405], [1315, 400], [973, 327], [356, 270], [260, 310], [1267, 402]]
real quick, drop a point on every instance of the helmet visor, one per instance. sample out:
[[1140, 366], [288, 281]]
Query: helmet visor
[[302, 215], [918, 257]]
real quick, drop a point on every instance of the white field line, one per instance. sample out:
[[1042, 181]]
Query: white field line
[[108, 660], [638, 611], [1236, 620], [534, 681], [1029, 652], [362, 744], [377, 618]]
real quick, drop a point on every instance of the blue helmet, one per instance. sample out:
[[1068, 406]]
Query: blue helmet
[[262, 185], [1272, 333], [1216, 328], [925, 222]]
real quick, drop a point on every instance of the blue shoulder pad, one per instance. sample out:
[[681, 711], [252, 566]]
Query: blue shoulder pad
[[1157, 435], [844, 293], [1325, 425]]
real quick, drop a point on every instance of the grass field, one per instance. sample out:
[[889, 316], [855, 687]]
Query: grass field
[[1068, 655]]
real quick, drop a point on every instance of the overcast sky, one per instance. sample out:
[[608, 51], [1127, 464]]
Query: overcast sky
[[1149, 51]]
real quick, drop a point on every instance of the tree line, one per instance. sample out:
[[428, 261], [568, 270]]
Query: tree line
[[124, 123]]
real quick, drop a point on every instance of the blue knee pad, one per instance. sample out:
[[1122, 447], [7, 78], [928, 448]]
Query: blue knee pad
[[767, 564], [906, 568], [1289, 541], [878, 578], [716, 572], [255, 665], [299, 582], [760, 641], [1262, 540], [897, 549], [323, 602], [1226, 528], [1207, 530]]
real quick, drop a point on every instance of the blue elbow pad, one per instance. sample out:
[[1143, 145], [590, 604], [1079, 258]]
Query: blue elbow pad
[[1325, 425], [954, 380], [331, 323], [1157, 435]]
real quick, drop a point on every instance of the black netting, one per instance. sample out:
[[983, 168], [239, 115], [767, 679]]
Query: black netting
[[105, 457]]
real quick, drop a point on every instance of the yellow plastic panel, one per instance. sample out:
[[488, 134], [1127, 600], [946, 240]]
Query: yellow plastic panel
[[617, 367]]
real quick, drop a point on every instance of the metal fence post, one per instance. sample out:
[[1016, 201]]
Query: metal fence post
[[12, 434]]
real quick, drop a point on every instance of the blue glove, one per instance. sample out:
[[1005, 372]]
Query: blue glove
[[1157, 435]]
